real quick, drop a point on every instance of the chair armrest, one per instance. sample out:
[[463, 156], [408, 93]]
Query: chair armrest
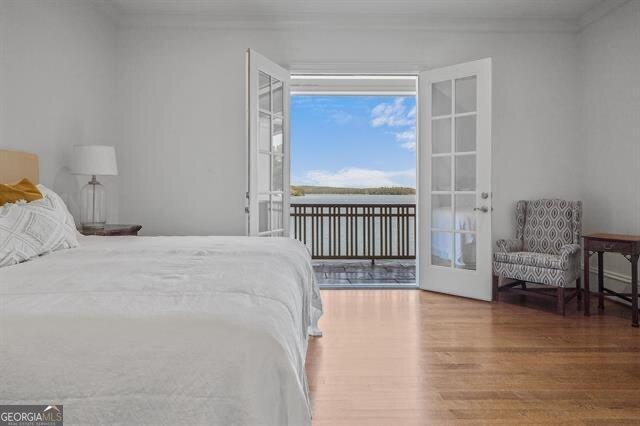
[[569, 256], [508, 246]]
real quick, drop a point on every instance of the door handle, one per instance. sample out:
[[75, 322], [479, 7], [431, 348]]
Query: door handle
[[483, 209]]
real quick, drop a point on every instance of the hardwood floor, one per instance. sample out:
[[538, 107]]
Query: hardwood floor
[[407, 357]]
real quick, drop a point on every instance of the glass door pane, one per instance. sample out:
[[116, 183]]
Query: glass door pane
[[276, 212], [441, 211], [441, 98], [276, 140], [465, 173], [277, 96], [264, 92], [264, 173], [441, 248], [453, 173], [466, 133], [441, 136], [277, 177], [441, 173], [263, 213], [466, 95], [264, 132], [268, 100]]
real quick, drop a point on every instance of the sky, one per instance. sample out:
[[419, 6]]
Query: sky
[[353, 141]]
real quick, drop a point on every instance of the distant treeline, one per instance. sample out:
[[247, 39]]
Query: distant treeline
[[300, 190]]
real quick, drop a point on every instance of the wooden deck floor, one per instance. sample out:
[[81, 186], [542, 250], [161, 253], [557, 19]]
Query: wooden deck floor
[[361, 273], [407, 357]]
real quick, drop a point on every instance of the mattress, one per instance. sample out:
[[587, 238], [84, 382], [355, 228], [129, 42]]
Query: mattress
[[162, 330]]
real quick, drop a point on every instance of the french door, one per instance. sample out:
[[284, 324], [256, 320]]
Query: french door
[[268, 135], [454, 188]]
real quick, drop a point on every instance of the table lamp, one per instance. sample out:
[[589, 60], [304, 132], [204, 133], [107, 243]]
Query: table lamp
[[93, 160]]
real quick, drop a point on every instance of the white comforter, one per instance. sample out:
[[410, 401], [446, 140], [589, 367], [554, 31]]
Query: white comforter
[[161, 330]]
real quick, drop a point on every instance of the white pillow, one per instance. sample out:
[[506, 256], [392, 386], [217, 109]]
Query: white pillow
[[32, 229]]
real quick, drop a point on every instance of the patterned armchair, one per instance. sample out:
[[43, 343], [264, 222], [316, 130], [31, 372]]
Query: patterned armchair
[[546, 251]]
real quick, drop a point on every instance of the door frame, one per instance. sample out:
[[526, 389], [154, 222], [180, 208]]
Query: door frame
[[413, 70]]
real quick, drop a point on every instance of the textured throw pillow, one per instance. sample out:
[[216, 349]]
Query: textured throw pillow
[[32, 229], [23, 190]]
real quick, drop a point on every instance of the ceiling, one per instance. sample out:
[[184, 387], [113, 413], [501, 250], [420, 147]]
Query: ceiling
[[301, 9]]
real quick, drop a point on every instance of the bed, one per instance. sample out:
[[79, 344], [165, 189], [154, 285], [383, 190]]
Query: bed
[[161, 330]]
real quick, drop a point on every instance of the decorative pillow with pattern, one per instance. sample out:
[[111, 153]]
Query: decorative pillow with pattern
[[28, 230]]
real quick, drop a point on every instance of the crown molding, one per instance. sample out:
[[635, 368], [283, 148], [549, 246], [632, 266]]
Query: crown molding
[[134, 19], [368, 67], [599, 11]]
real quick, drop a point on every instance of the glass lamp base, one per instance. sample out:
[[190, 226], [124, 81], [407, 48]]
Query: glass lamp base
[[93, 205]]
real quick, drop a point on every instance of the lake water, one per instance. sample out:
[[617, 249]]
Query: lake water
[[353, 199]]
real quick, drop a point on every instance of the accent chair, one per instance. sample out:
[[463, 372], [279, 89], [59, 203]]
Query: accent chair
[[546, 251]]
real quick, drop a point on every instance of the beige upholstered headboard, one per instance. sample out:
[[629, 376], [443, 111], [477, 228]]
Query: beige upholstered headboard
[[16, 165]]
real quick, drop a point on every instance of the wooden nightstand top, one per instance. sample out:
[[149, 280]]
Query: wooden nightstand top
[[613, 237], [113, 230]]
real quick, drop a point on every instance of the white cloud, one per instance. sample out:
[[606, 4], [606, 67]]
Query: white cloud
[[411, 146], [406, 136], [391, 114], [395, 114], [408, 139], [353, 177]]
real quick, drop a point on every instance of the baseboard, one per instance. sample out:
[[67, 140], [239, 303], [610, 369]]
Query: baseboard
[[623, 279], [616, 276]]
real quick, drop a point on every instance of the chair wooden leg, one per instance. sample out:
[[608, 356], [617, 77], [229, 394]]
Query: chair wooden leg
[[579, 293], [560, 301], [496, 282]]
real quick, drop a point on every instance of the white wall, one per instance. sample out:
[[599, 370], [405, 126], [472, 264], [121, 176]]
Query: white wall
[[57, 83], [610, 123], [170, 96], [182, 112], [177, 112]]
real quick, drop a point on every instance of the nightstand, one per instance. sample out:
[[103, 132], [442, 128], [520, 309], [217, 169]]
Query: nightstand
[[112, 230]]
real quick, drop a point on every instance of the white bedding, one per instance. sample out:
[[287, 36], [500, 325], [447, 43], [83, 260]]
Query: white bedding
[[161, 330]]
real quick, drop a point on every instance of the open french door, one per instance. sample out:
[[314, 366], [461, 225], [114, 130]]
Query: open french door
[[268, 135], [454, 163]]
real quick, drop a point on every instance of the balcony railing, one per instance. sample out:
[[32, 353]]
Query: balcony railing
[[356, 231]]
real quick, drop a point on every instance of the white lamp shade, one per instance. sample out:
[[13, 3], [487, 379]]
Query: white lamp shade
[[94, 160]]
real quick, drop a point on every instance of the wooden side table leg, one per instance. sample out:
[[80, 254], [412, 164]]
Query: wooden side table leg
[[587, 303], [634, 290], [560, 301], [600, 281], [495, 288]]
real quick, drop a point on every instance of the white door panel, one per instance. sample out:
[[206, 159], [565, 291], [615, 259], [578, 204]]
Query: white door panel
[[268, 135], [454, 188]]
